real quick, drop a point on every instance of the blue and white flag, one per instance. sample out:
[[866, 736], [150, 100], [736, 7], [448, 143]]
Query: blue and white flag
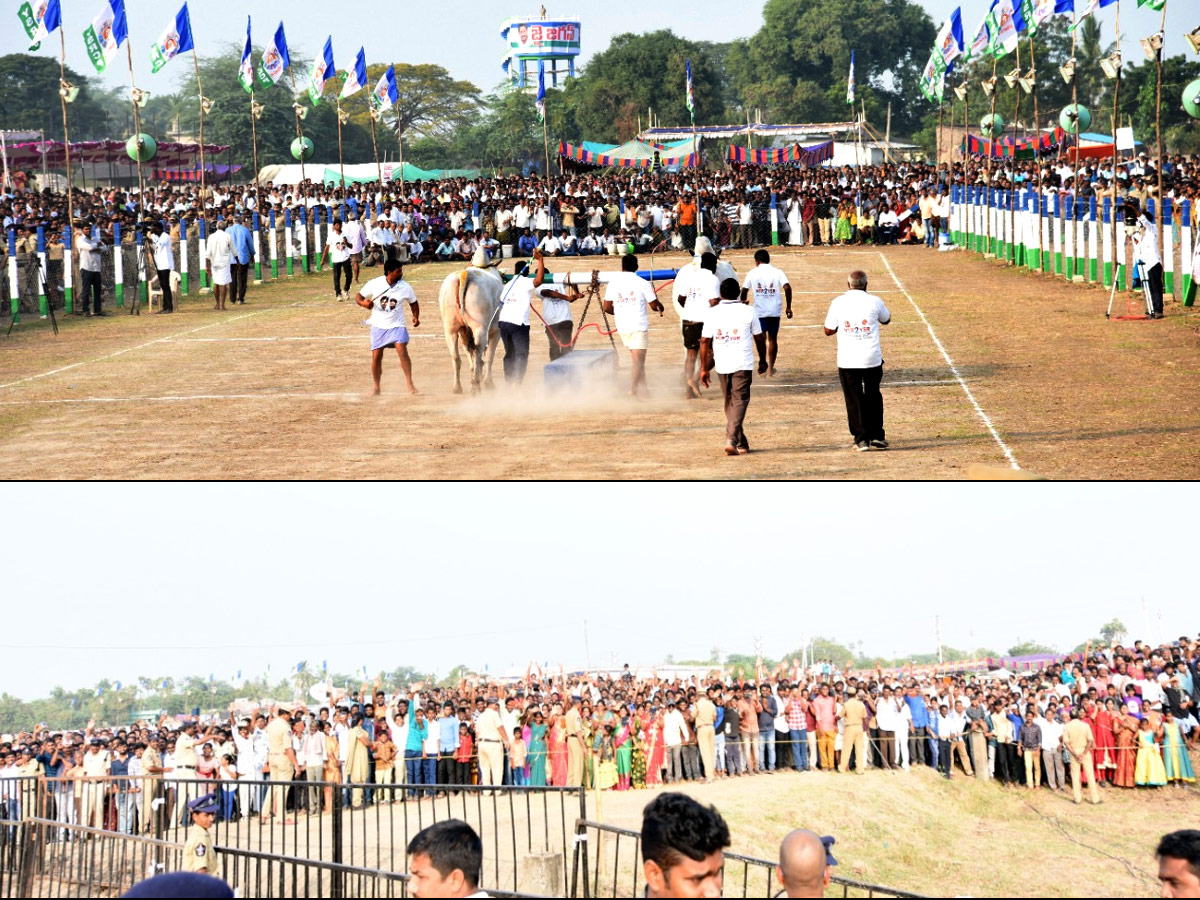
[[299, 667], [541, 94], [356, 78], [322, 70], [40, 19], [324, 665], [980, 40], [275, 59], [246, 69], [691, 98], [238, 676], [950, 39], [118, 686], [175, 39], [850, 81], [1090, 7], [1064, 6], [104, 37], [385, 94]]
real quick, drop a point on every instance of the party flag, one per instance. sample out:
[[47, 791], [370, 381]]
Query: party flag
[[541, 94], [691, 98], [356, 78], [385, 94], [275, 59], [322, 68], [40, 20], [175, 39], [104, 37], [246, 69]]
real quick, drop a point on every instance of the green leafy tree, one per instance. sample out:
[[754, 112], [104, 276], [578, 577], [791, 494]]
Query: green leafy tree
[[29, 99], [641, 71], [432, 104], [795, 67], [1113, 630], [1140, 85], [1029, 648]]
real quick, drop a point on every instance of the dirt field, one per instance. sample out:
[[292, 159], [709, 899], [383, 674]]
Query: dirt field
[[278, 389]]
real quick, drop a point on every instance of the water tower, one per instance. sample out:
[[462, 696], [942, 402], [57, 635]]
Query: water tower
[[531, 40]]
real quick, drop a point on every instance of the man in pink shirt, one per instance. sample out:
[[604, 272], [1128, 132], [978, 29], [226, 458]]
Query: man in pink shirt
[[825, 711]]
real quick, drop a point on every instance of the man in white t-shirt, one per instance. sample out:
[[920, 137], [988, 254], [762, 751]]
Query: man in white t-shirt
[[514, 317], [696, 288], [627, 298], [220, 263], [767, 287], [386, 297], [727, 346], [337, 249], [356, 235], [855, 317]]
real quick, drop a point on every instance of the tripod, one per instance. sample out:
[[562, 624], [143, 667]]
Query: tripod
[[35, 285]]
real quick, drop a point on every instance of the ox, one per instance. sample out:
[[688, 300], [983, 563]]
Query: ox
[[470, 304]]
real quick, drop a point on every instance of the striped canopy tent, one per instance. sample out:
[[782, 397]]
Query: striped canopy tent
[[630, 155], [812, 155], [170, 154], [212, 173], [1011, 148]]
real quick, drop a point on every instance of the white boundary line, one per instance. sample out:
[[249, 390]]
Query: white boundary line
[[117, 353], [772, 384], [192, 398], [326, 337], [1008, 454]]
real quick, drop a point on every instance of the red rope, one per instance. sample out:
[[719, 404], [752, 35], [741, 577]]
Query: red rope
[[579, 333]]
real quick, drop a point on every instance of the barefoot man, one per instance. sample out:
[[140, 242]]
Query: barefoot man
[[627, 299], [386, 296], [766, 287]]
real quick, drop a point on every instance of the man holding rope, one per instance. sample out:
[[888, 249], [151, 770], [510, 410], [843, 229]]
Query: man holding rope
[[385, 296]]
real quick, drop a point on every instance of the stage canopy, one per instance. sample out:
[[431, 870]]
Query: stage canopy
[[212, 174], [810, 130], [631, 155], [357, 173], [28, 155], [812, 155]]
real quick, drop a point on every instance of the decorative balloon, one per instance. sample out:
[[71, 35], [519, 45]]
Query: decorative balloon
[[302, 149], [141, 148], [992, 126], [1191, 99], [1074, 118]]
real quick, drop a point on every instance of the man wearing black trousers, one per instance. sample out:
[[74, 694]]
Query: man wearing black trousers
[[164, 263], [1145, 251], [855, 317]]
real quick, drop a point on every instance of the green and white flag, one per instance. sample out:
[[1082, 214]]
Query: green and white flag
[[1155, 5], [104, 37], [1002, 28], [39, 19], [933, 78], [979, 43]]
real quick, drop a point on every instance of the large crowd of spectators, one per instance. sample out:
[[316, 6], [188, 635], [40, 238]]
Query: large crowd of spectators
[[603, 211], [1112, 718]]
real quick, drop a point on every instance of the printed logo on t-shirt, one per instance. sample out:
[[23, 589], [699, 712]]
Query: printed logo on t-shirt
[[865, 330]]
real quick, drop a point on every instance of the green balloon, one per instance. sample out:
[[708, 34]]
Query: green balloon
[[992, 125], [141, 148], [1074, 118], [1191, 99], [302, 149]]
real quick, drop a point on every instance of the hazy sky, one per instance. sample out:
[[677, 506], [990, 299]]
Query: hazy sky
[[117, 581], [465, 36]]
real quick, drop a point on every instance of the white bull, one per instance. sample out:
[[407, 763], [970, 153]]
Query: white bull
[[470, 303]]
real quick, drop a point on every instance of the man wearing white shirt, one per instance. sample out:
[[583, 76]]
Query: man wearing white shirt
[[90, 266], [767, 287], [220, 263], [675, 731], [856, 317], [1052, 760], [164, 262], [356, 236], [726, 345], [514, 318], [696, 288], [1145, 251], [627, 298], [386, 297]]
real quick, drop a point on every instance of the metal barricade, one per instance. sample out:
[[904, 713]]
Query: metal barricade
[[606, 862], [367, 826]]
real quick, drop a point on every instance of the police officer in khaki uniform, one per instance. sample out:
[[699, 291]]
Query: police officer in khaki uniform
[[854, 712], [186, 761], [152, 776], [281, 759], [198, 853]]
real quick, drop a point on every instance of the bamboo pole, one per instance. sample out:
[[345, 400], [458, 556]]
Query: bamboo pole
[[137, 131], [254, 153], [1160, 203], [200, 91], [1012, 182], [1037, 152], [987, 208], [299, 130], [1112, 187], [62, 75]]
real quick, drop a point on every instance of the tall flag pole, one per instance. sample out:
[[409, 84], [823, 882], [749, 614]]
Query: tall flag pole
[[138, 98], [356, 80], [541, 110], [52, 19], [691, 107], [1158, 166], [246, 77]]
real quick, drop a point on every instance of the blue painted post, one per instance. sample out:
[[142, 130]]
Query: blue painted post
[[43, 309], [203, 256], [14, 299], [68, 271], [287, 239], [118, 266], [1093, 255], [257, 234], [774, 220]]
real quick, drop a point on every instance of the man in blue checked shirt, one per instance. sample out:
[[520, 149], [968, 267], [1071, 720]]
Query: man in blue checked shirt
[[447, 729]]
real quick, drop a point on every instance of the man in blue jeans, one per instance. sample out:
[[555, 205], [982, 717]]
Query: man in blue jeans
[[795, 711], [767, 709]]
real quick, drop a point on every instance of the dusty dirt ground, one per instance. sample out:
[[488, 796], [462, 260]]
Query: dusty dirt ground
[[277, 389]]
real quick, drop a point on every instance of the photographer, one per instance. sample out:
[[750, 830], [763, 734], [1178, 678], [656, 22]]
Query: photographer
[[1144, 234]]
